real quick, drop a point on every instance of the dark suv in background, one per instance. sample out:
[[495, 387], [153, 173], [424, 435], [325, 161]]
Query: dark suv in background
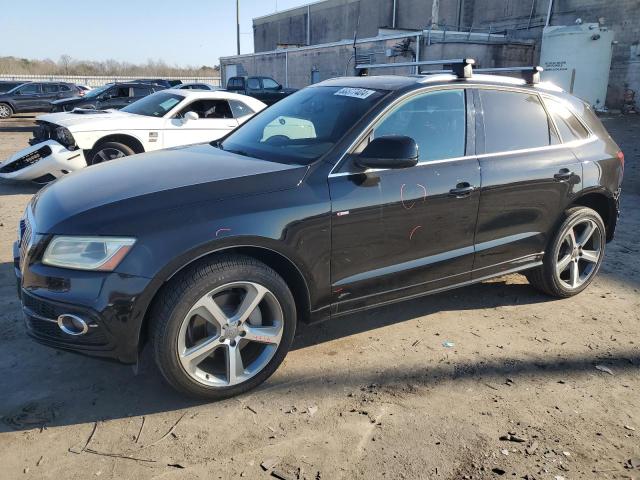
[[34, 97], [347, 195], [265, 89], [113, 95]]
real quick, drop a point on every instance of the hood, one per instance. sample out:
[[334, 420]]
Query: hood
[[70, 101], [98, 120], [153, 183]]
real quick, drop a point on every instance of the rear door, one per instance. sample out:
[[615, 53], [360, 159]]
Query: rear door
[[402, 232], [528, 179], [50, 92]]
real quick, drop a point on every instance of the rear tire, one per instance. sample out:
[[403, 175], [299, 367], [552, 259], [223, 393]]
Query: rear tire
[[5, 110], [574, 255], [107, 151], [231, 312]]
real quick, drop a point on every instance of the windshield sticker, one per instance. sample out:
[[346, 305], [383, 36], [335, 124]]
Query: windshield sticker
[[361, 93], [169, 104]]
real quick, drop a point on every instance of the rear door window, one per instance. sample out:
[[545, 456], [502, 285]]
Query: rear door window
[[50, 88], [435, 120], [568, 125], [514, 121], [141, 91], [253, 84]]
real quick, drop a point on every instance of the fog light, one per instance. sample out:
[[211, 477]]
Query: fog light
[[72, 324]]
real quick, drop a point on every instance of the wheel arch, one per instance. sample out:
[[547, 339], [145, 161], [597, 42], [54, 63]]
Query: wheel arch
[[129, 140], [604, 204], [278, 261]]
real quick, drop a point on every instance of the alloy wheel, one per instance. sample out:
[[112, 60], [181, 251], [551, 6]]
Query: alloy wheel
[[579, 254], [5, 111], [230, 334], [107, 154]]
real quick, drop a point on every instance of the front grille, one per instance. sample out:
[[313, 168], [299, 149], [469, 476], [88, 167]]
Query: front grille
[[49, 330], [27, 160]]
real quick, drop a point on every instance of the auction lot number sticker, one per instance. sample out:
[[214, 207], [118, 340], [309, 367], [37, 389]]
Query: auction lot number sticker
[[355, 92]]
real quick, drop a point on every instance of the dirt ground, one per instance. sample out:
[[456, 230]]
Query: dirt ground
[[375, 395]]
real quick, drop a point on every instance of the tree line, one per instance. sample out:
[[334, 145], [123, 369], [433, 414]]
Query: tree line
[[66, 65]]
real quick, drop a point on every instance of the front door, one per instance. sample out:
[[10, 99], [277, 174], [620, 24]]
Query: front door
[[528, 178], [27, 98], [401, 232], [116, 97], [215, 119]]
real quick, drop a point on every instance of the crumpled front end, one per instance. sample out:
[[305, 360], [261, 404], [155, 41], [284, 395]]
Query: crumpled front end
[[42, 162]]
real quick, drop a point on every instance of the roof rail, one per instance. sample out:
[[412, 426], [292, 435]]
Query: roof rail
[[531, 75], [461, 67]]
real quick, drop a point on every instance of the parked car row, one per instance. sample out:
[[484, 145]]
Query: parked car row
[[26, 97], [68, 141]]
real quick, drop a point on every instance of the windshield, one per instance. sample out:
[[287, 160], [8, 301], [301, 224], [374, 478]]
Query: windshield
[[154, 105], [304, 126], [96, 91]]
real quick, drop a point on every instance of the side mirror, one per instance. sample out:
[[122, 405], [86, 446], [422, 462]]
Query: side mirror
[[279, 87], [190, 116], [393, 151]]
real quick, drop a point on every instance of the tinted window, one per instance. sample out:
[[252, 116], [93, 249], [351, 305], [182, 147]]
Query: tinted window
[[30, 89], [239, 109], [568, 125], [50, 88], [269, 83], [304, 126], [435, 120], [65, 88], [155, 105], [235, 82], [253, 84], [208, 109], [513, 121], [141, 91]]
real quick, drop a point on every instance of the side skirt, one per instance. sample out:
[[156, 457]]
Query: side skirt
[[526, 266]]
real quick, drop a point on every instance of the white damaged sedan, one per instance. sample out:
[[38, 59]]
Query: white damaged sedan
[[69, 141]]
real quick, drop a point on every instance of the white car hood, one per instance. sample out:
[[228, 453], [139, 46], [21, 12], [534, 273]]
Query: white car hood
[[101, 120]]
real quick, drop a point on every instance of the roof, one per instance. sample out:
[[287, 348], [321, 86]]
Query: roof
[[397, 82], [216, 94]]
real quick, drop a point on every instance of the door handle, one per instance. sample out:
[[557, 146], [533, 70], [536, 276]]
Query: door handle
[[462, 190], [563, 174]]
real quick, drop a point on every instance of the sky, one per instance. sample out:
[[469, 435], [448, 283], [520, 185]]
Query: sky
[[184, 33]]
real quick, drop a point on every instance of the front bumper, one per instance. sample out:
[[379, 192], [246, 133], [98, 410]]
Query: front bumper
[[42, 163], [112, 304]]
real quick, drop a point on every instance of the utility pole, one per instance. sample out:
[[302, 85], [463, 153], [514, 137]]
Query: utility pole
[[238, 24]]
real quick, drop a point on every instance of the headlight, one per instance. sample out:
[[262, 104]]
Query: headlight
[[64, 136], [87, 253]]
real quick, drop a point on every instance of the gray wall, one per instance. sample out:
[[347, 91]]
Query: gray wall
[[335, 20], [335, 61]]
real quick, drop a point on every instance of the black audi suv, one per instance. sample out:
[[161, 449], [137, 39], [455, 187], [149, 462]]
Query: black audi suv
[[349, 194]]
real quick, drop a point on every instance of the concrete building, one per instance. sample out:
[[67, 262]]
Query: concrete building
[[314, 42]]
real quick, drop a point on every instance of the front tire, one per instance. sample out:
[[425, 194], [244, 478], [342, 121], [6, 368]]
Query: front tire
[[574, 255], [222, 327], [107, 151], [5, 110]]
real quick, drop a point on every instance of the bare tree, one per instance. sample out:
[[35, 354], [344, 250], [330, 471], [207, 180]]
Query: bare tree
[[65, 63]]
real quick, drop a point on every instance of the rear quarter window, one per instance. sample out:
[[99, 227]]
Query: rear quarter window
[[568, 125], [514, 121]]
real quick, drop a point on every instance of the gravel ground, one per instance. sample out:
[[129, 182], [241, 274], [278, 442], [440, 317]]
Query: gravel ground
[[374, 395]]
